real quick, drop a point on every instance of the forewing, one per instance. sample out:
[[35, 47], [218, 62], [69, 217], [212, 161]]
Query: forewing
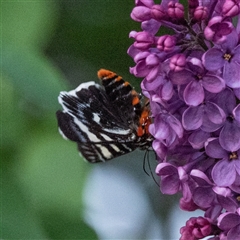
[[90, 119]]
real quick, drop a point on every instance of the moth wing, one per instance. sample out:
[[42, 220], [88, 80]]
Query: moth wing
[[95, 123]]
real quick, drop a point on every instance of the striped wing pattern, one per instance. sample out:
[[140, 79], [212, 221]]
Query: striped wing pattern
[[102, 120]]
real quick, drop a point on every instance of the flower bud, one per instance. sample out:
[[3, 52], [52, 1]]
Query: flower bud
[[166, 43], [230, 8], [141, 13], [200, 13], [217, 29], [177, 62], [175, 10], [158, 12], [143, 40]]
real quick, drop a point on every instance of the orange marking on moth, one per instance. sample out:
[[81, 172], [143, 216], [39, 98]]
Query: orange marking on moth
[[135, 100], [103, 73], [140, 131], [144, 123], [119, 78]]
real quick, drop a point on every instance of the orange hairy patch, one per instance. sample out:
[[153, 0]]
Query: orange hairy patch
[[144, 123], [135, 100], [118, 79], [140, 131], [102, 73]]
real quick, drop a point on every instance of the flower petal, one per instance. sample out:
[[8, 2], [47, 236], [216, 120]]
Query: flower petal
[[166, 169], [234, 233], [203, 196], [181, 77], [224, 173], [198, 138], [213, 59], [141, 13], [236, 113], [231, 74], [170, 184], [192, 118], [214, 113], [213, 84], [229, 137], [228, 221], [226, 100], [193, 93], [214, 149], [237, 92]]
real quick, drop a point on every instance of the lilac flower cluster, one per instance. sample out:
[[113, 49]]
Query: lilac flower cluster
[[192, 79]]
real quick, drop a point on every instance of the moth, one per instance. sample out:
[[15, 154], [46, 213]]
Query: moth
[[107, 120]]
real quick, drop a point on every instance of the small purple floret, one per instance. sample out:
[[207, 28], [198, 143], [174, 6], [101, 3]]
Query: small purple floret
[[230, 223], [196, 228]]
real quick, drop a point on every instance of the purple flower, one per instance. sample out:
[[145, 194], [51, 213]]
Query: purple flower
[[158, 12], [177, 62], [200, 13], [175, 10], [167, 129], [218, 29], [230, 132], [231, 8], [187, 205], [173, 179], [198, 138], [143, 40], [229, 135], [159, 86], [192, 80], [237, 92], [195, 80], [225, 171], [142, 11], [166, 43], [225, 57], [147, 64], [230, 223], [203, 195], [208, 116], [207, 196], [196, 228]]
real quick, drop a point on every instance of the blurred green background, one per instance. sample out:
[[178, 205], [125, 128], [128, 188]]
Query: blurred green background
[[46, 47]]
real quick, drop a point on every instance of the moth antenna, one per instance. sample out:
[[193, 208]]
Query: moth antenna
[[146, 160]]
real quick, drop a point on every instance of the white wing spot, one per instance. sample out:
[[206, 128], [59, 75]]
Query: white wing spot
[[106, 137], [61, 132], [96, 118], [117, 131], [105, 152], [115, 147]]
